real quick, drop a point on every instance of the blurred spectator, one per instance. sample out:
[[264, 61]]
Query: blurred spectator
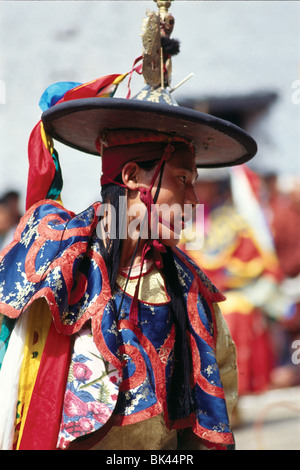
[[12, 200], [5, 223], [9, 216], [284, 216], [238, 256], [282, 200]]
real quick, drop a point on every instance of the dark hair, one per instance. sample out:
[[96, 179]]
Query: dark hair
[[111, 251], [180, 401], [110, 194]]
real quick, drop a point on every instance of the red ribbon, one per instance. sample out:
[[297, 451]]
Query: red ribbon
[[137, 69], [158, 247]]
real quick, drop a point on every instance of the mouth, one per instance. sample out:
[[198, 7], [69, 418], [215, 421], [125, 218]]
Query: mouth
[[176, 227], [172, 222]]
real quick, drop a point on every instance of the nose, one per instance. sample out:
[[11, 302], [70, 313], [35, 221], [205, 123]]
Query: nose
[[191, 196]]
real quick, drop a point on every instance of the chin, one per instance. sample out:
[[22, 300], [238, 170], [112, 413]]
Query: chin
[[170, 242], [169, 237]]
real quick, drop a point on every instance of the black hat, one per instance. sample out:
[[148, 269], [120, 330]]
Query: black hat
[[79, 122]]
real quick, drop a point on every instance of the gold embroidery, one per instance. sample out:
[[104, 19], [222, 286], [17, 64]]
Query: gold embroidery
[[152, 287]]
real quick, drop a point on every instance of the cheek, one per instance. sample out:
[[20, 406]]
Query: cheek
[[171, 195]]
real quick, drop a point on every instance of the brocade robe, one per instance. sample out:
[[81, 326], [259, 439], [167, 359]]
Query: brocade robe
[[104, 370]]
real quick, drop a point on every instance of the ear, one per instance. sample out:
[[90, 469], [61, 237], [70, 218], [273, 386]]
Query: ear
[[130, 175]]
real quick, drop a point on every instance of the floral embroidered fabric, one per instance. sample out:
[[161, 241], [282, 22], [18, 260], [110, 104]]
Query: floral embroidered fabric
[[91, 392]]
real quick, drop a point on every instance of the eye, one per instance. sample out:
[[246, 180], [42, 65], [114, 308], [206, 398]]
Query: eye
[[183, 178]]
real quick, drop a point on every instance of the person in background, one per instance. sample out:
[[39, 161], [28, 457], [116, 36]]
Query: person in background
[[281, 196], [10, 216], [12, 200], [5, 223], [235, 257]]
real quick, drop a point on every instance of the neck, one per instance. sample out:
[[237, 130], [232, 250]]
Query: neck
[[127, 252]]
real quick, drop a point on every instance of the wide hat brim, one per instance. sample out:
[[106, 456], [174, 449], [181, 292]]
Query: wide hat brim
[[78, 124]]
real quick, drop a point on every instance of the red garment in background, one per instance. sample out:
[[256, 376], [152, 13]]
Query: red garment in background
[[233, 260], [285, 222], [255, 355]]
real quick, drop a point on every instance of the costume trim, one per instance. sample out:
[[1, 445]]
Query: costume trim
[[206, 287], [48, 249]]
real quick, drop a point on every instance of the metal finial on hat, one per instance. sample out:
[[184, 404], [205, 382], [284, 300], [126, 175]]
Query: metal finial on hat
[[79, 121], [158, 48], [163, 7]]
